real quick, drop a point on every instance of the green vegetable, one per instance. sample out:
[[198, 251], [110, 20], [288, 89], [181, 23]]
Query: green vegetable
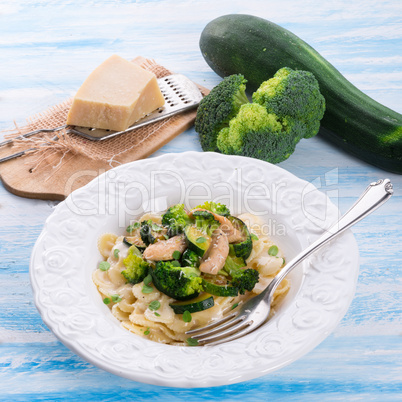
[[287, 108], [136, 267], [176, 255], [147, 331], [147, 280], [234, 306], [187, 316], [192, 342], [257, 48], [116, 253], [106, 300], [133, 227], [175, 219], [215, 207], [242, 279], [219, 290], [154, 305], [190, 259], [273, 250], [151, 232], [218, 108], [180, 283], [254, 236], [198, 241], [104, 266], [147, 289], [116, 298], [244, 247], [293, 94], [200, 303]]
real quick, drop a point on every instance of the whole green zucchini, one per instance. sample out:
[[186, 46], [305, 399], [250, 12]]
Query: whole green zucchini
[[257, 48]]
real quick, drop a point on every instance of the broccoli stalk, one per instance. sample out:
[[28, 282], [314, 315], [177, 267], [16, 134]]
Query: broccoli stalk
[[242, 279], [175, 219], [218, 108], [180, 283], [136, 267]]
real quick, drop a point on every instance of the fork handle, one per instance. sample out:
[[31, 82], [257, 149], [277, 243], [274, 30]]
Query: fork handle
[[373, 197]]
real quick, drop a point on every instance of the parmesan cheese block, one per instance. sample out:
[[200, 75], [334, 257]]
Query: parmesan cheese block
[[115, 95]]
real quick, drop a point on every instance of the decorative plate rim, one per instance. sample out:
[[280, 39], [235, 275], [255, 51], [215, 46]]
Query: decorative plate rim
[[326, 291]]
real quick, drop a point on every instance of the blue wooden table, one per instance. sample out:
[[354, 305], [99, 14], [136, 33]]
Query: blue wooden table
[[47, 48]]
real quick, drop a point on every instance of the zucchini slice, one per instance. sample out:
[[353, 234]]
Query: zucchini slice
[[134, 241], [219, 290], [245, 246], [198, 241], [203, 302]]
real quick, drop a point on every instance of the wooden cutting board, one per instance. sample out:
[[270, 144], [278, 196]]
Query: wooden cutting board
[[50, 183]]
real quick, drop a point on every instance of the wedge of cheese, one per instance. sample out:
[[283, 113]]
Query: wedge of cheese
[[115, 95]]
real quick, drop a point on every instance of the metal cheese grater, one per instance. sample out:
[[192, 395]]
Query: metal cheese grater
[[180, 94]]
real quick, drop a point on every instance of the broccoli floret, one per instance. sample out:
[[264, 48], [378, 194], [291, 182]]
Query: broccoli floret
[[175, 219], [242, 279], [218, 108], [136, 267], [295, 94], [190, 259], [180, 283], [258, 134], [215, 207]]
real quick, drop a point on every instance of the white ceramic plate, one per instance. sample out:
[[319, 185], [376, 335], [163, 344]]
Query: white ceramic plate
[[295, 213]]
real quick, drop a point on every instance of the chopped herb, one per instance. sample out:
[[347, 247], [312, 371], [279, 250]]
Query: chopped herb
[[154, 305], [106, 300], [116, 298], [235, 305], [187, 316], [192, 342], [148, 280], [175, 263], [147, 331], [176, 255], [254, 237], [147, 289], [273, 250], [132, 227], [284, 262], [157, 314], [104, 266], [201, 240], [116, 253]]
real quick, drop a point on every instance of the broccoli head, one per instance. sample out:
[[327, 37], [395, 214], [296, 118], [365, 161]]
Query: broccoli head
[[136, 267], [175, 219], [258, 134], [180, 283], [241, 278], [215, 207], [218, 108], [190, 259], [295, 94]]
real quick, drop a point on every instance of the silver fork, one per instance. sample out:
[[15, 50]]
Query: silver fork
[[252, 314]]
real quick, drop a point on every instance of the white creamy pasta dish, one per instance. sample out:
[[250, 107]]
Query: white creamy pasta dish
[[179, 270]]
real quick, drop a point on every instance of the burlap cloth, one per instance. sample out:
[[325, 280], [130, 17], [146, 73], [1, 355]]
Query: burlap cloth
[[108, 150]]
